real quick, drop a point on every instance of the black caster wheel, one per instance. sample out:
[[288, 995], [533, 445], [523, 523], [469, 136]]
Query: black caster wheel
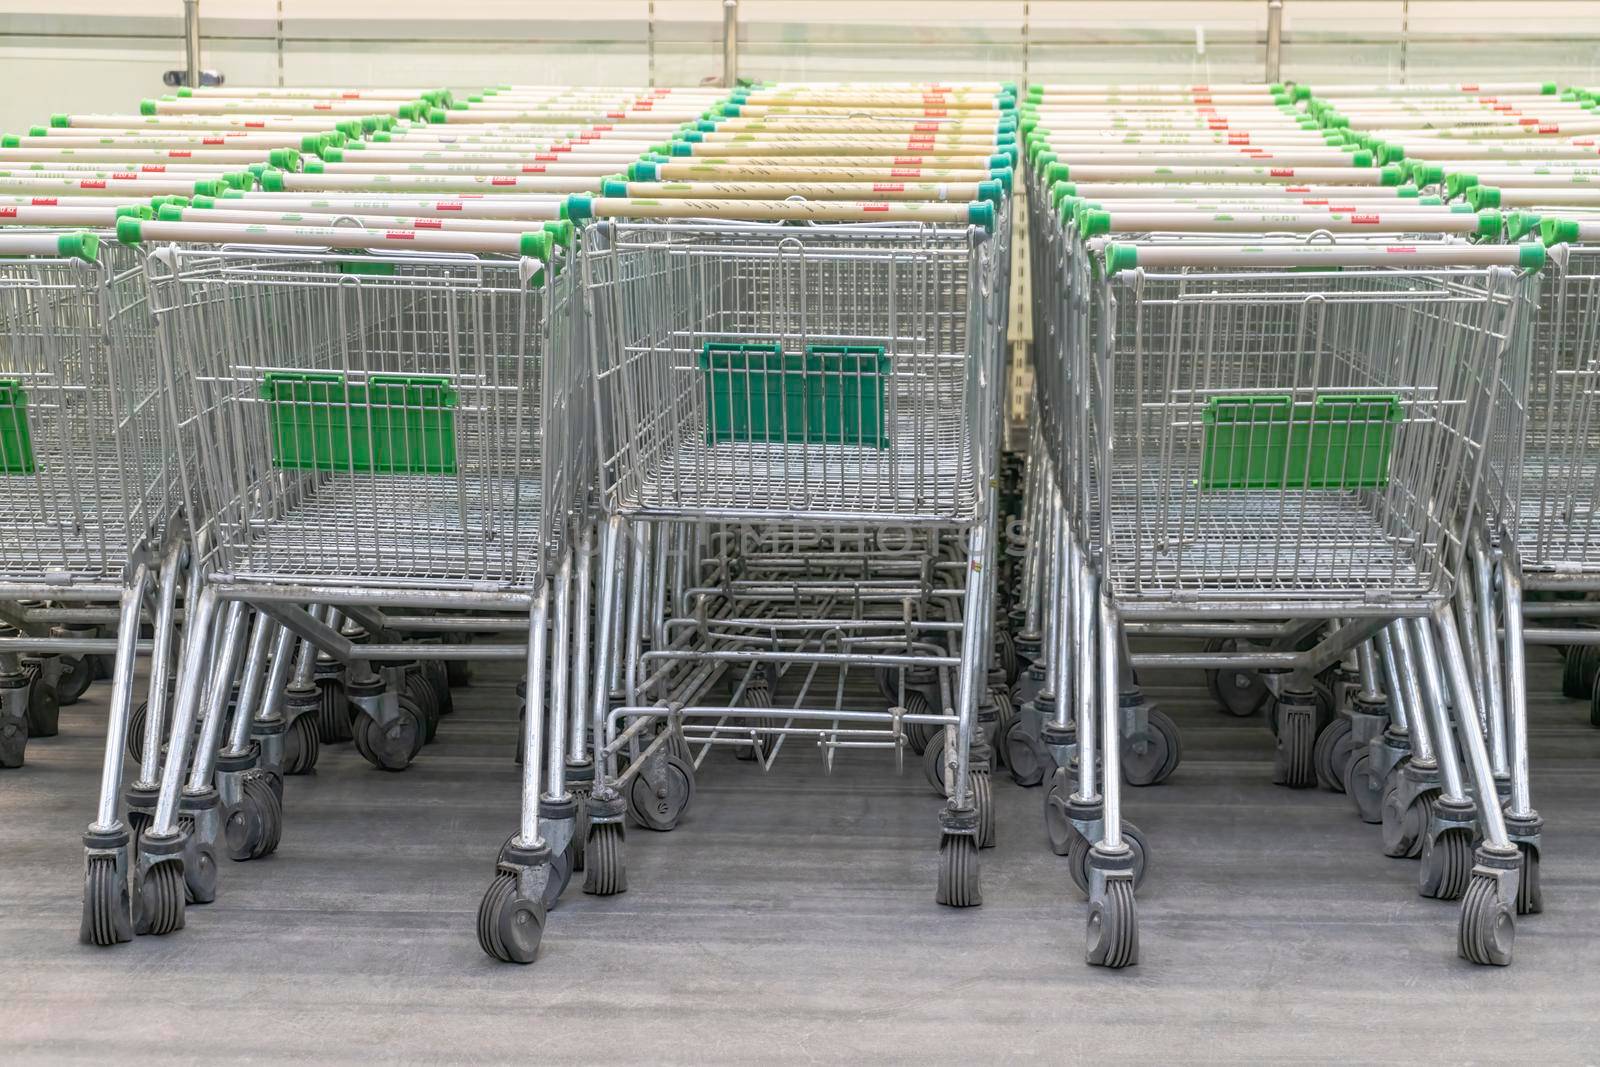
[[958, 872], [419, 690], [77, 675], [1446, 866], [918, 734], [106, 906], [458, 673], [1364, 788], [1594, 708], [1488, 929], [392, 747], [1530, 893], [436, 674], [139, 822], [933, 764], [44, 704], [1005, 646], [1578, 670], [1150, 757], [1293, 765], [1058, 828], [1237, 692], [334, 725], [1026, 758], [162, 898], [1005, 715], [13, 740], [1078, 857], [605, 871], [302, 745], [252, 829], [509, 926], [756, 696], [983, 799], [1113, 939], [660, 806], [1332, 753], [137, 719], [1403, 827], [561, 867]]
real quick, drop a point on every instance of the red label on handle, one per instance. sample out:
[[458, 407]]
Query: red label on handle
[[533, 168], [1364, 220], [91, 185], [428, 224], [446, 205], [874, 207], [1282, 172], [44, 201], [888, 187], [400, 235], [8, 212], [502, 181], [905, 172]]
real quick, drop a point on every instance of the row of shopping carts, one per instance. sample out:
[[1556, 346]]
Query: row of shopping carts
[[692, 393], [1282, 395]]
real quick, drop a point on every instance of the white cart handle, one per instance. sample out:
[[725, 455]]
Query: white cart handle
[[84, 246], [532, 245], [1119, 257]]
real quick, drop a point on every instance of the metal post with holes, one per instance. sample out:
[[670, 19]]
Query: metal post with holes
[[730, 43], [191, 42], [1274, 40]]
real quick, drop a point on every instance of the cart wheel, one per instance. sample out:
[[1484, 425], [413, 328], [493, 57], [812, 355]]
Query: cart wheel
[[434, 670], [419, 688], [1578, 671], [1292, 763], [1446, 866], [302, 745], [77, 675], [138, 822], [1057, 827], [390, 748], [1331, 755], [333, 715], [161, 899], [1403, 828], [1364, 788], [1005, 715], [1488, 930], [918, 734], [44, 706], [13, 739], [458, 673], [1078, 857], [1594, 708], [561, 866], [1530, 893], [983, 800], [509, 926], [1005, 645], [106, 905], [933, 762], [757, 696], [605, 873], [136, 727], [1237, 692], [253, 828], [959, 872], [659, 806], [1150, 757], [1026, 758], [1113, 939]]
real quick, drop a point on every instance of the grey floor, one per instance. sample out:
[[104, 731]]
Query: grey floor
[[791, 917]]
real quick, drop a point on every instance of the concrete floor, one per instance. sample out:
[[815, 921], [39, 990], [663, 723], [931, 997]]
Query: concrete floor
[[792, 918]]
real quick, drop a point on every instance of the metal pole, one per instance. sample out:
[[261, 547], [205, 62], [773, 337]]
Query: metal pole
[[191, 41], [730, 43], [1274, 40]]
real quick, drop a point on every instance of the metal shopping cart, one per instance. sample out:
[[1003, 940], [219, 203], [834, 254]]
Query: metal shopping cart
[[369, 421], [792, 390], [1284, 433]]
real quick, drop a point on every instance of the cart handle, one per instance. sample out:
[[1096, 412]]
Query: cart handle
[[84, 246], [1092, 222], [1119, 257], [531, 245], [977, 213]]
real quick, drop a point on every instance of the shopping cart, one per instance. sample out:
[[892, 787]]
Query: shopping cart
[[1287, 433], [368, 421], [769, 392]]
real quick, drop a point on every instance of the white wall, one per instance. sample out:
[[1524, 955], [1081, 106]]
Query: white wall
[[76, 55]]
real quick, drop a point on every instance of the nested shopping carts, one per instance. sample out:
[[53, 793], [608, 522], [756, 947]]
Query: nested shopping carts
[[388, 428], [84, 472], [797, 415], [1284, 452]]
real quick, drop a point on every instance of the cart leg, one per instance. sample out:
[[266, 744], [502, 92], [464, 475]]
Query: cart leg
[[107, 905], [1449, 827], [605, 867], [159, 878], [252, 802], [141, 794], [1487, 928], [511, 915], [1113, 933], [1413, 786], [962, 820], [1523, 824]]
